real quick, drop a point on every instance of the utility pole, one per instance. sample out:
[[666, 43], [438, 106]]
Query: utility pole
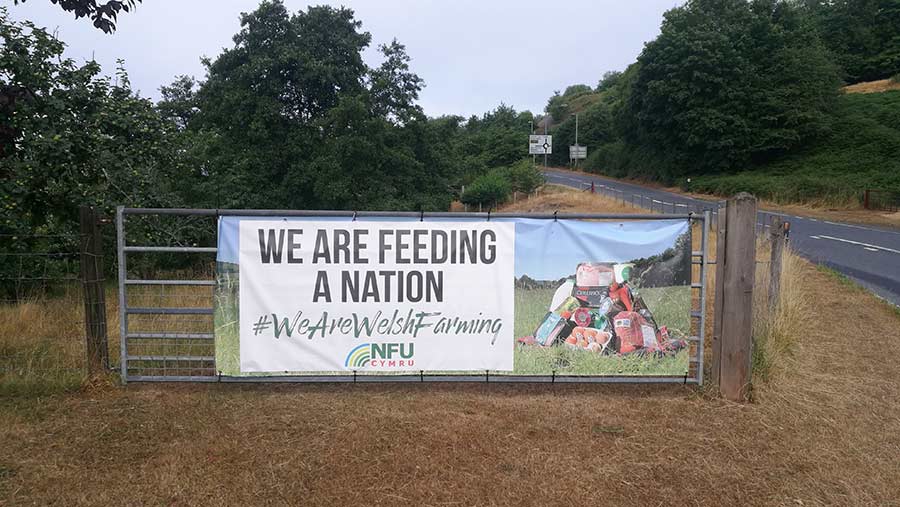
[[545, 133], [576, 140], [533, 157]]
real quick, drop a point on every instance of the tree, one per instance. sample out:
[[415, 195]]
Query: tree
[[104, 14], [292, 117], [259, 106], [70, 138], [863, 35], [179, 101], [394, 87], [487, 190], [609, 80], [727, 83], [594, 129]]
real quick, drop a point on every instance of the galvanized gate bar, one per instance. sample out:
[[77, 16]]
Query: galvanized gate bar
[[123, 317], [401, 214], [173, 249], [700, 257], [211, 283]]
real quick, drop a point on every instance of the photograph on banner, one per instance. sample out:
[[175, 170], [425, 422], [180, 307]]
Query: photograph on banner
[[519, 296]]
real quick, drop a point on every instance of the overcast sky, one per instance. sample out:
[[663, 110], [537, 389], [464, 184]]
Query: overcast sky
[[472, 54]]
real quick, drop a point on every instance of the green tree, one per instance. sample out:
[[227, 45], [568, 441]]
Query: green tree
[[727, 83], [179, 101], [863, 35], [488, 190], [261, 102], [394, 87], [73, 137], [595, 128], [292, 117]]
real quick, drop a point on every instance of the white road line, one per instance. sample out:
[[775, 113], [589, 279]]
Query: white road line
[[870, 249], [886, 249], [880, 231]]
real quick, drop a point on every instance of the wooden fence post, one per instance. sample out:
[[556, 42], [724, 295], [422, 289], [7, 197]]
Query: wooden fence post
[[94, 297], [736, 269], [776, 231]]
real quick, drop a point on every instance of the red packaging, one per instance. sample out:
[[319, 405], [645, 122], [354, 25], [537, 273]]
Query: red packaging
[[582, 317], [628, 330]]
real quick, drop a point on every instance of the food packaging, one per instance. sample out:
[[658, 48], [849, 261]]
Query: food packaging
[[622, 294], [570, 304], [590, 296], [551, 328], [582, 317], [562, 292], [622, 272], [588, 338], [600, 322], [628, 327], [594, 274]]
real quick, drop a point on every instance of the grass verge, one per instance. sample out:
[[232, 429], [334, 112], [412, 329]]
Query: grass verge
[[823, 431]]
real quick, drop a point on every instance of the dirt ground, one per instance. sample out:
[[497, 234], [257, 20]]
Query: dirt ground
[[882, 85], [823, 429]]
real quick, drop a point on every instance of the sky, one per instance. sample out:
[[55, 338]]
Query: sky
[[473, 55]]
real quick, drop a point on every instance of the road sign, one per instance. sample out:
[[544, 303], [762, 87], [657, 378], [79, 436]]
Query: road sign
[[577, 152], [540, 145]]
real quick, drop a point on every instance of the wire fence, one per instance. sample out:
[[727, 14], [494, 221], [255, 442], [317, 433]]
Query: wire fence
[[42, 325], [881, 200], [653, 204]]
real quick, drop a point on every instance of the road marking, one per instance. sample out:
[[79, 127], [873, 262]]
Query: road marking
[[816, 237], [552, 173], [870, 249], [884, 248], [881, 231]]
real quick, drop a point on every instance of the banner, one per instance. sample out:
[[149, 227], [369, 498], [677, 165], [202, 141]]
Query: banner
[[330, 295]]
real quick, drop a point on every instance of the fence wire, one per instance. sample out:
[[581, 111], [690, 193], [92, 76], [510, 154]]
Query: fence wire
[[42, 325]]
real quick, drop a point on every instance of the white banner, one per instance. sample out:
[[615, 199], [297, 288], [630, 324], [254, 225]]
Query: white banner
[[318, 296]]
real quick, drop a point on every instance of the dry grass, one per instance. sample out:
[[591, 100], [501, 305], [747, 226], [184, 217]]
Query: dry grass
[[42, 343], [776, 330], [823, 430], [565, 200], [879, 86]]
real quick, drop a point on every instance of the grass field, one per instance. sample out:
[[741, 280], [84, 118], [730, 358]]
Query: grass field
[[670, 307], [822, 428]]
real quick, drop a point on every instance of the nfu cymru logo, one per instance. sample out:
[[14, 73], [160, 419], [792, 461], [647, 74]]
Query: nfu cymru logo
[[380, 355]]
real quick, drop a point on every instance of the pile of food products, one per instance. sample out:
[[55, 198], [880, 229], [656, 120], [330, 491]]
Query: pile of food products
[[598, 312]]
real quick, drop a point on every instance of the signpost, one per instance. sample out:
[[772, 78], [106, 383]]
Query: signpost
[[577, 152], [539, 144]]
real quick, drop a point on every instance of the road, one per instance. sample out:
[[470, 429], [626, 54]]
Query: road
[[869, 255]]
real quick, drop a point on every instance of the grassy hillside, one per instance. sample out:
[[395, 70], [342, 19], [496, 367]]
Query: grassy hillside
[[862, 151]]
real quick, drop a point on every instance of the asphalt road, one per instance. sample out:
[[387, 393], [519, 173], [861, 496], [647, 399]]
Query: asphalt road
[[869, 255]]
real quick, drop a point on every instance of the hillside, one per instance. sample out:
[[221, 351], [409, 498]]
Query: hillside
[[862, 151], [882, 85]]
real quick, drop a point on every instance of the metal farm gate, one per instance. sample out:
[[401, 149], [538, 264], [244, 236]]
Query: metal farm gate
[[167, 326]]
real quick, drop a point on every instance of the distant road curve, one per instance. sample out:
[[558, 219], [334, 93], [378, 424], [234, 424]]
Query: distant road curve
[[869, 255]]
